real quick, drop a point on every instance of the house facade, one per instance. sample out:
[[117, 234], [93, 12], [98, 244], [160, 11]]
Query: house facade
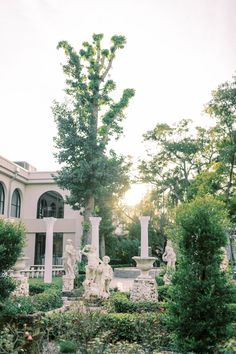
[[32, 197]]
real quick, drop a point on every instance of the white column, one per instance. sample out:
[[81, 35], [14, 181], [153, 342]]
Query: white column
[[95, 221], [144, 220], [48, 249]]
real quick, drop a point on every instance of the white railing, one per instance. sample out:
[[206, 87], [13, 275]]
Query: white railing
[[37, 271]]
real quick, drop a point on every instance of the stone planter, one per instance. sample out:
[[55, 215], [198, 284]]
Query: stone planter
[[144, 264], [20, 264], [144, 286]]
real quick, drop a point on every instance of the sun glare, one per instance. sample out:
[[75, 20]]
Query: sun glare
[[135, 194]]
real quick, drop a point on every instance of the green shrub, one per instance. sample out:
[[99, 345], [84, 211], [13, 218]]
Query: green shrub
[[24, 305], [48, 300], [124, 347], [198, 313], [67, 346], [38, 288], [79, 280], [35, 283], [232, 308], [146, 328], [98, 329], [121, 304], [12, 238], [163, 292]]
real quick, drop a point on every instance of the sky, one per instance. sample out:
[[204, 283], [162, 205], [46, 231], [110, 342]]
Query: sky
[[177, 52]]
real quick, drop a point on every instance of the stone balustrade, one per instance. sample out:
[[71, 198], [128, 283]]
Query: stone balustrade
[[37, 271]]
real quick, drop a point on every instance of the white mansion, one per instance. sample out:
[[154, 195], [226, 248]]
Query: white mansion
[[30, 196]]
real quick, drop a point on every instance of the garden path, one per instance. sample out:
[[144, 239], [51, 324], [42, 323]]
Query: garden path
[[123, 284]]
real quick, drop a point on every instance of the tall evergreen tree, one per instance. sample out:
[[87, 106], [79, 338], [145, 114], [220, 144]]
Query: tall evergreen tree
[[199, 315], [86, 122]]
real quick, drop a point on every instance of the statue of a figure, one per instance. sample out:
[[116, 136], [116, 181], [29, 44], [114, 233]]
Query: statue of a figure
[[169, 256], [98, 274], [225, 261], [93, 262], [69, 259], [106, 276]]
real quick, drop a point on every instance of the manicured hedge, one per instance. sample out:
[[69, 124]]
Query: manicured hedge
[[121, 303], [48, 300], [147, 329]]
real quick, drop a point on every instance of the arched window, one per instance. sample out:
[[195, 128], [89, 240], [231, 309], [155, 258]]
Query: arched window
[[50, 204], [2, 199], [15, 204]]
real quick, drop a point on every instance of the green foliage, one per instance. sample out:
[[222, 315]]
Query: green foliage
[[163, 292], [232, 308], [22, 305], [184, 161], [79, 280], [67, 346], [222, 108], [12, 237], [86, 122], [121, 304], [199, 315], [11, 340], [122, 248], [96, 330], [37, 285], [173, 157], [125, 347]]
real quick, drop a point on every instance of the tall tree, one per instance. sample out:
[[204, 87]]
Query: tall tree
[[198, 313], [173, 159], [222, 107], [87, 121]]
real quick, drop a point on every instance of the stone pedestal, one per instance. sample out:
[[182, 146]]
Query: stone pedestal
[[144, 289], [68, 283], [22, 285]]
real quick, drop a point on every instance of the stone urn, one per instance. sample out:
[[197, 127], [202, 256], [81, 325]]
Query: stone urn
[[144, 264], [20, 264]]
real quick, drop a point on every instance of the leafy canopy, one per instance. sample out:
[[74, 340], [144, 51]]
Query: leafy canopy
[[88, 119]]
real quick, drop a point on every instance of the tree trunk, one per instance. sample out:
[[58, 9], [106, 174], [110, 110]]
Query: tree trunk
[[87, 230]]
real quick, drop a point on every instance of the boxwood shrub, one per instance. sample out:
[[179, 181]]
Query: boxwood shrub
[[121, 303], [147, 329], [24, 305]]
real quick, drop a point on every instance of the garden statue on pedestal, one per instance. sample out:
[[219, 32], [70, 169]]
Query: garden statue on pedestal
[[169, 256], [106, 276], [22, 284], [144, 286], [225, 260], [98, 274], [69, 259]]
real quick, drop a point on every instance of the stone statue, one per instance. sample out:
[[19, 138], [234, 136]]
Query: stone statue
[[93, 262], [106, 276], [169, 256], [225, 261], [69, 259], [98, 274]]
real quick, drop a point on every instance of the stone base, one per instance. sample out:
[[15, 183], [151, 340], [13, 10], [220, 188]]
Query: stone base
[[144, 289], [68, 283], [22, 286]]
